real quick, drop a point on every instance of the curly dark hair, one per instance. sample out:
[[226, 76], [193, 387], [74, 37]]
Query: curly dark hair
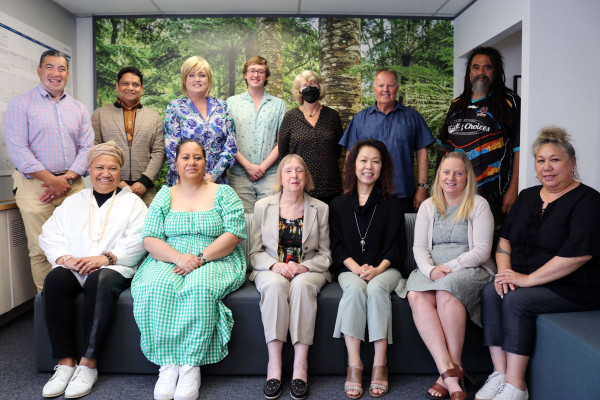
[[497, 90], [384, 183]]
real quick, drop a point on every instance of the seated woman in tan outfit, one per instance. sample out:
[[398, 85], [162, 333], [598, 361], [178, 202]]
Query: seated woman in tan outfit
[[290, 256]]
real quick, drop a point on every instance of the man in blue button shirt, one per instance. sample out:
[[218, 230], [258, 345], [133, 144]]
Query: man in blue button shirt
[[404, 132]]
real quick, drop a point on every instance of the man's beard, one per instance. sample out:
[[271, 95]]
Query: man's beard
[[480, 86]]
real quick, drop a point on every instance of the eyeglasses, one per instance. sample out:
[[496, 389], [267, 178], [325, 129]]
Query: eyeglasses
[[307, 84], [256, 71]]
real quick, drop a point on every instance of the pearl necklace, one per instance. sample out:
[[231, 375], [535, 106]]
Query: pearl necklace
[[90, 216]]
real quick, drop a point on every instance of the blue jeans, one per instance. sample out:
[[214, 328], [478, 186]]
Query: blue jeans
[[510, 322]]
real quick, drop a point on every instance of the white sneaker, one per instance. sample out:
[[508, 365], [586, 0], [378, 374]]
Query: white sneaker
[[59, 381], [166, 383], [493, 386], [188, 387], [81, 382], [509, 392]]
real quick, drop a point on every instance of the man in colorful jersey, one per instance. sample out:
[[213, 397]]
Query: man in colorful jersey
[[257, 117], [137, 130], [48, 135], [484, 122]]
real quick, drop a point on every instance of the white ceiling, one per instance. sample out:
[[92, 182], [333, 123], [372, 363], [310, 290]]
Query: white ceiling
[[438, 9]]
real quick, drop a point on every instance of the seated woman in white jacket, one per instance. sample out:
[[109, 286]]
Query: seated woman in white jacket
[[94, 244], [453, 240]]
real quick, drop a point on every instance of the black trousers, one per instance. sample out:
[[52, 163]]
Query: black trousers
[[510, 322], [100, 292]]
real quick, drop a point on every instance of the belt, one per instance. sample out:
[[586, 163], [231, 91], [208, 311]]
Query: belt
[[59, 173]]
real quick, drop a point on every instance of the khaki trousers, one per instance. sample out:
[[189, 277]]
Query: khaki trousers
[[289, 305], [35, 214]]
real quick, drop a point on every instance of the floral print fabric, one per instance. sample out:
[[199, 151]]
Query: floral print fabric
[[215, 134]]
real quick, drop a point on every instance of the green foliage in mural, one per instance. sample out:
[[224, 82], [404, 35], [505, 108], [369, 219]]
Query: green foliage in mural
[[421, 51]]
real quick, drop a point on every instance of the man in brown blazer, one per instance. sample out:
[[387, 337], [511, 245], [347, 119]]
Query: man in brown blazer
[[137, 130]]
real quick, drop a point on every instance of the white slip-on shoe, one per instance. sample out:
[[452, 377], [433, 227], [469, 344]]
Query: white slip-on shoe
[[81, 382], [493, 386], [188, 387], [59, 381], [509, 392], [166, 383]]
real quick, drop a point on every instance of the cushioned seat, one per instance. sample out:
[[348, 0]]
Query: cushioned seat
[[566, 357], [247, 348]]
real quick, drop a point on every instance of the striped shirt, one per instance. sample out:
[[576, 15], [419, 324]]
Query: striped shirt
[[43, 134]]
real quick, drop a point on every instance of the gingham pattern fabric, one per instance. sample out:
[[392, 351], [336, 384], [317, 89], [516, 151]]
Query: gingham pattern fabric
[[182, 320]]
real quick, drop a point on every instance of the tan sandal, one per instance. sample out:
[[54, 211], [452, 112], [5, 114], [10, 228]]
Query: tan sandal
[[354, 376], [379, 373]]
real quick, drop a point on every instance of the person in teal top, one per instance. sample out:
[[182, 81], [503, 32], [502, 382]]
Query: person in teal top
[[193, 232], [257, 116]]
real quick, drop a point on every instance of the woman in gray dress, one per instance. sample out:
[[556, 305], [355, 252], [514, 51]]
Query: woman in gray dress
[[453, 240]]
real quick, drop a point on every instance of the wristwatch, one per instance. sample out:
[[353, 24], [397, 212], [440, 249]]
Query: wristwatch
[[423, 185], [201, 255]]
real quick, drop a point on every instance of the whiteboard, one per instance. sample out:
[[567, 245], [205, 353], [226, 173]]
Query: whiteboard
[[20, 49]]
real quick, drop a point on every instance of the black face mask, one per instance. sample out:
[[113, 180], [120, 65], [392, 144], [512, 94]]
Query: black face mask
[[310, 94]]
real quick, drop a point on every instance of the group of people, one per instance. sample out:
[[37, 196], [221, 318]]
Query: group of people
[[311, 224]]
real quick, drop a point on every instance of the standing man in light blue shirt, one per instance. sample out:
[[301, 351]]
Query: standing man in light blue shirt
[[257, 117], [405, 134], [48, 136]]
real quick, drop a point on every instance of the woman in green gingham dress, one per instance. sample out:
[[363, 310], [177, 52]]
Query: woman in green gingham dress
[[192, 232]]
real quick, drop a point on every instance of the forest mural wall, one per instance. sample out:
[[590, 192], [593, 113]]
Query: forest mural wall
[[346, 51]]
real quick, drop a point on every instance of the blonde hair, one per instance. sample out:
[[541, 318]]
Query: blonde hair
[[559, 137], [196, 64], [308, 76], [468, 198], [308, 185]]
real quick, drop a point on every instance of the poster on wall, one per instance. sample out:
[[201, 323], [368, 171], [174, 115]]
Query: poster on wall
[[345, 51], [20, 48]]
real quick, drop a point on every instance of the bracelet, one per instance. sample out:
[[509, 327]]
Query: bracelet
[[112, 260], [65, 258], [178, 259]]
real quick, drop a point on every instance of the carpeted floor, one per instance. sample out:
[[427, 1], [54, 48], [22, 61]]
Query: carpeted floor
[[20, 381]]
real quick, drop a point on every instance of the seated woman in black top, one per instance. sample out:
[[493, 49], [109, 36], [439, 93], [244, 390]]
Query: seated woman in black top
[[548, 261], [368, 246]]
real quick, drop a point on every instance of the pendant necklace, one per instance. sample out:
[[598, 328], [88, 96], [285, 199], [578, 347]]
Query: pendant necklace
[[309, 114], [449, 232], [362, 238]]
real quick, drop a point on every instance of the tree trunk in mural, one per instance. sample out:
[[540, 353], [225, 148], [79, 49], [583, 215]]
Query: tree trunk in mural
[[339, 39], [270, 46]]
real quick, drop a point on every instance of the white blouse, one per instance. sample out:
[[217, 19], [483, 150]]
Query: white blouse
[[67, 231]]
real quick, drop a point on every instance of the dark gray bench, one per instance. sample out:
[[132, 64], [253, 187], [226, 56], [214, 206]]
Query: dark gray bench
[[247, 348], [566, 359]]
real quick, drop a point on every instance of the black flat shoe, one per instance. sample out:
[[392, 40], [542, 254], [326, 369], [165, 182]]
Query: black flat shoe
[[272, 389], [299, 389]]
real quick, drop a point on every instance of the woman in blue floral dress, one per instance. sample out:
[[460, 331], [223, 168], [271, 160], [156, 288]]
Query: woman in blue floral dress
[[200, 116], [193, 232]]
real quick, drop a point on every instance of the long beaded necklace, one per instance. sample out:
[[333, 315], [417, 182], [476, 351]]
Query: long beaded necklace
[[362, 238], [448, 231], [90, 216]]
